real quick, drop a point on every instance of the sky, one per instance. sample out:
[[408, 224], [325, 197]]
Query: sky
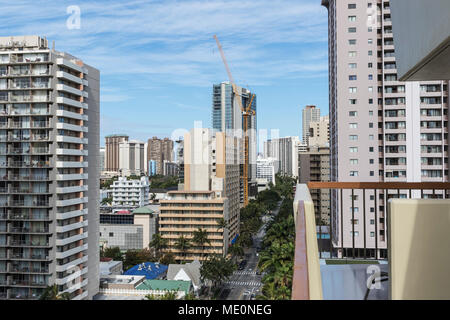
[[158, 59]]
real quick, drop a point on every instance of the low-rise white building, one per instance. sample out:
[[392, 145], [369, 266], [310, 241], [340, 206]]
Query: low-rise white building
[[130, 193], [265, 169]]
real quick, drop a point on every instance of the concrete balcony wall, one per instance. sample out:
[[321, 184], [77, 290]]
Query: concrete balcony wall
[[307, 281], [418, 249]]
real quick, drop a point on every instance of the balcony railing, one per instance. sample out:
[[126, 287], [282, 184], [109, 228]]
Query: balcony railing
[[415, 222]]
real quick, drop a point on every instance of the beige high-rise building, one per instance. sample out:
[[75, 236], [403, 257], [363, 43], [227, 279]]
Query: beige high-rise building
[[132, 158], [319, 132], [309, 114], [211, 192], [49, 171], [314, 165], [159, 150], [381, 129], [112, 151]]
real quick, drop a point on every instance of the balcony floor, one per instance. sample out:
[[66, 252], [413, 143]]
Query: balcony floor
[[349, 281]]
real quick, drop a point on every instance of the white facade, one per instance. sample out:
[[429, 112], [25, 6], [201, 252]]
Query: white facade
[[130, 193], [265, 169], [49, 163], [132, 158], [285, 151]]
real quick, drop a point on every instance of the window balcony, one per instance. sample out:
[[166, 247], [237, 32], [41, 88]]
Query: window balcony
[[388, 253]]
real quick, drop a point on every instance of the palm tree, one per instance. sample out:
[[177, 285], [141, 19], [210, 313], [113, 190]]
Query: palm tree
[[236, 250], [222, 224], [158, 243], [201, 237], [52, 293], [183, 244]]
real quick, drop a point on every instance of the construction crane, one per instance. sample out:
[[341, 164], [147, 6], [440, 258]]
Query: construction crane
[[246, 113]]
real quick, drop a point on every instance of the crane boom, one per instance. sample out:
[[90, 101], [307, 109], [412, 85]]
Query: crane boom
[[224, 60]]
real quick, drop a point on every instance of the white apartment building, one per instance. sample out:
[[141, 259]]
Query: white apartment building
[[265, 169], [130, 193], [381, 129], [49, 171], [132, 158], [285, 151]]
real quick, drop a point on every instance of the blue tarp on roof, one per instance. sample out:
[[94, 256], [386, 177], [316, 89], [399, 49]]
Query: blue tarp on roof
[[150, 270]]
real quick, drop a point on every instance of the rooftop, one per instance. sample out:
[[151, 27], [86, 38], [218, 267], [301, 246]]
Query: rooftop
[[165, 285], [151, 270]]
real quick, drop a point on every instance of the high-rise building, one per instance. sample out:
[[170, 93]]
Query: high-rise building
[[381, 130], [309, 114], [319, 132], [227, 117], [102, 159], [314, 165], [285, 150], [132, 158], [49, 171], [160, 150], [211, 179], [112, 150]]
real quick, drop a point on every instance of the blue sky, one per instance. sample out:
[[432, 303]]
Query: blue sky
[[158, 59]]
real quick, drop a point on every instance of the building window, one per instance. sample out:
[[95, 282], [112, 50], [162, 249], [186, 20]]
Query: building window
[[372, 234], [370, 89], [370, 124], [370, 113], [370, 101], [352, 65], [356, 233], [111, 234], [352, 41], [370, 41], [351, 30], [352, 18], [372, 173], [353, 161], [370, 77], [370, 161], [370, 149], [352, 53], [353, 173], [353, 137], [370, 136], [352, 101], [353, 126], [352, 77], [352, 5], [352, 90], [370, 65], [353, 113], [353, 149]]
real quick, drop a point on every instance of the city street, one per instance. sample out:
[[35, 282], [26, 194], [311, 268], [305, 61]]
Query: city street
[[245, 283]]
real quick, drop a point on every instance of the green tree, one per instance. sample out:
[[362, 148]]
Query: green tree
[[236, 251], [216, 270], [171, 295], [183, 244], [158, 243], [201, 237], [168, 258], [113, 253], [52, 293], [134, 257]]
